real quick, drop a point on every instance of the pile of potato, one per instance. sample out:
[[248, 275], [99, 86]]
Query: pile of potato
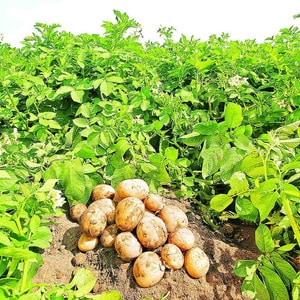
[[141, 227]]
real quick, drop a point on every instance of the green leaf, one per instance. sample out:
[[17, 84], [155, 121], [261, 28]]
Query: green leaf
[[254, 288], [171, 153], [18, 253], [7, 180], [77, 96], [233, 115], [263, 239], [245, 209], [238, 182], [81, 122], [109, 295], [212, 158], [63, 90], [4, 240], [245, 268], [220, 202], [276, 287], [41, 238], [265, 204], [84, 150], [34, 223], [191, 139]]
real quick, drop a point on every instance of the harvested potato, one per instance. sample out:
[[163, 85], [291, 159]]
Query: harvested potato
[[151, 231], [196, 262], [87, 243], [148, 269], [172, 256], [101, 191], [76, 211], [133, 188], [174, 217], [109, 235], [183, 238], [107, 206], [129, 212], [154, 202], [92, 222], [127, 246]]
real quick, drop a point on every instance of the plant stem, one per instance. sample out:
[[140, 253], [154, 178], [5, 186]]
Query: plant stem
[[24, 275]]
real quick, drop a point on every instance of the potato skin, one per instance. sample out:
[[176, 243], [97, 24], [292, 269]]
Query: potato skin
[[129, 212], [87, 243], [109, 235], [183, 238], [196, 262], [154, 202], [133, 188], [172, 256], [101, 191], [92, 222], [148, 269], [151, 231], [76, 211], [107, 206], [127, 246], [174, 217]]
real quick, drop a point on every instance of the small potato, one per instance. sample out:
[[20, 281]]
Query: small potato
[[92, 222], [101, 191], [196, 262], [127, 246], [87, 243], [172, 256], [133, 188], [151, 231], [129, 212], [76, 211], [109, 235], [174, 217], [107, 206], [148, 269], [154, 202], [183, 238]]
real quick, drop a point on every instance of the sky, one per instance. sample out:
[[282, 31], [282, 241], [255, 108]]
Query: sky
[[241, 19]]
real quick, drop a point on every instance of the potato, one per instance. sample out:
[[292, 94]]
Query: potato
[[148, 269], [127, 246], [133, 188], [101, 191], [92, 222], [108, 207], [196, 262], [109, 235], [174, 217], [154, 202], [183, 238], [76, 211], [129, 212], [87, 243], [151, 231], [172, 256]]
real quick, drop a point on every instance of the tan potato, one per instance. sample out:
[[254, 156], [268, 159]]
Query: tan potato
[[151, 231], [148, 269], [196, 262], [129, 212], [87, 243], [127, 246], [107, 206], [154, 202], [133, 188], [109, 235], [76, 211], [174, 217], [172, 256], [183, 238], [92, 222], [101, 191]]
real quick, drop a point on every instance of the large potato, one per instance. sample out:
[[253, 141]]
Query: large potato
[[107, 206], [127, 246], [154, 202], [172, 256], [196, 262], [76, 211], [151, 231], [133, 188], [87, 243], [92, 222], [101, 191], [174, 217], [148, 269], [109, 235], [183, 238], [129, 212]]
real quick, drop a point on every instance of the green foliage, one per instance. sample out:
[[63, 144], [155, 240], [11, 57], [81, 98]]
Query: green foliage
[[216, 121]]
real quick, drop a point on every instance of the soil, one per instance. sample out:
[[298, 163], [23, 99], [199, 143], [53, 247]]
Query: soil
[[224, 247]]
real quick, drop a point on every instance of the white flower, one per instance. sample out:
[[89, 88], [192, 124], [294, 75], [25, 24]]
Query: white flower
[[15, 132], [281, 104], [237, 80], [56, 198]]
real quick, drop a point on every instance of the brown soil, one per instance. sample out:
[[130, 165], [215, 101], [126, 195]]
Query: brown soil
[[224, 247]]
